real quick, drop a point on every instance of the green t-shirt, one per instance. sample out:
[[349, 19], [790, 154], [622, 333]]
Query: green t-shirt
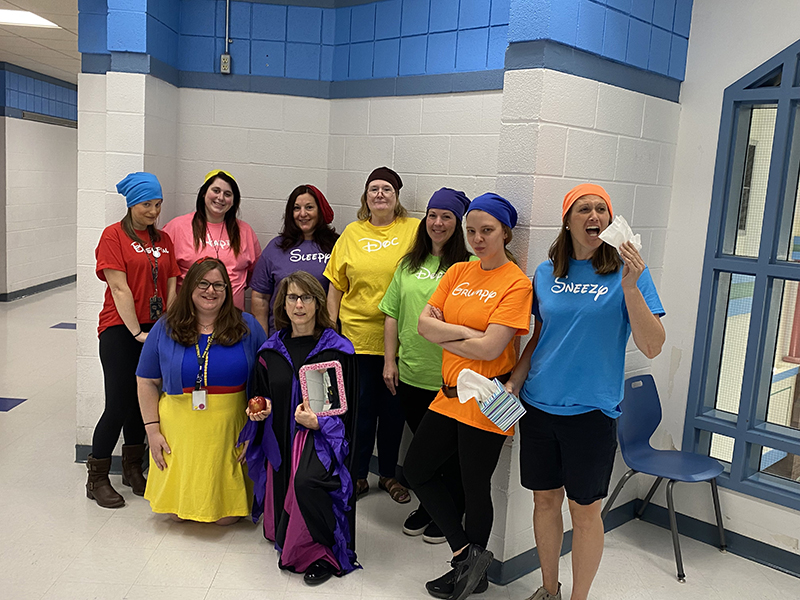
[[420, 361]]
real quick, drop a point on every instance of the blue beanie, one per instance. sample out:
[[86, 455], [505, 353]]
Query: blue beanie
[[139, 187], [497, 206], [453, 200]]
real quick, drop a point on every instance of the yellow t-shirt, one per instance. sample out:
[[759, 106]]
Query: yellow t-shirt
[[361, 266], [468, 295]]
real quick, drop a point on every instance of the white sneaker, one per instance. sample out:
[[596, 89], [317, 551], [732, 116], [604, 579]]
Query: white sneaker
[[543, 594]]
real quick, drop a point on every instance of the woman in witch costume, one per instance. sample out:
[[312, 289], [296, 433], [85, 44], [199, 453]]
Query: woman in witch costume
[[302, 464]]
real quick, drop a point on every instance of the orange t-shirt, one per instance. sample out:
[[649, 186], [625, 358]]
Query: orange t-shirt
[[468, 295]]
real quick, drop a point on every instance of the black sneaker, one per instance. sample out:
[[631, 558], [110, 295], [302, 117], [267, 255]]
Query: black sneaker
[[433, 535], [444, 585], [470, 570], [417, 522]]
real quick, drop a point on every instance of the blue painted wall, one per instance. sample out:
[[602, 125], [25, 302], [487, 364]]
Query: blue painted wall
[[32, 92], [648, 34]]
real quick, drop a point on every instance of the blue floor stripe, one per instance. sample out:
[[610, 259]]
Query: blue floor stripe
[[6, 404], [65, 326]]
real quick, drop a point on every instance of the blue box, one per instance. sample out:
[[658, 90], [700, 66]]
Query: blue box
[[387, 19], [303, 60], [683, 17], [664, 14], [361, 56], [326, 60], [564, 21], [267, 58], [240, 21], [341, 62], [198, 17], [498, 44], [362, 24], [472, 49], [269, 22], [444, 15], [342, 27], [304, 24], [92, 38], [473, 13], [500, 12], [660, 42], [196, 53], [615, 36], [591, 24], [127, 31], [623, 6], [387, 58], [441, 53], [677, 57], [328, 26], [638, 43], [414, 20], [643, 9], [412, 55]]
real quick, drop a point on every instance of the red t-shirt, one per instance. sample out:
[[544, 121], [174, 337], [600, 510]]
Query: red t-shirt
[[119, 252]]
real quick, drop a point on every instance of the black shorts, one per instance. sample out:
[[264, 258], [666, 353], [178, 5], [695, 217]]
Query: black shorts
[[576, 452]]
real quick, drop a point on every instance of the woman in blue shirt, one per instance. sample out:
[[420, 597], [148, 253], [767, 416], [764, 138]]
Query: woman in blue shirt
[[588, 299]]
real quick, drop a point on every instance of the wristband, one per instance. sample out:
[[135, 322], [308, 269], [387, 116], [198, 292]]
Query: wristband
[[138, 334], [151, 423]]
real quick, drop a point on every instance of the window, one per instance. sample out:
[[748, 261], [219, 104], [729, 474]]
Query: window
[[744, 393]]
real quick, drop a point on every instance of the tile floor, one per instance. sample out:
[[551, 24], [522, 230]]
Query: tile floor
[[55, 544]]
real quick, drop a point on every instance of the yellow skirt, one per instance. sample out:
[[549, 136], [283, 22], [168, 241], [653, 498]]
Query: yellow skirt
[[203, 480]]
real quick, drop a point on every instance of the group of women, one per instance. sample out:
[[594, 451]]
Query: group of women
[[404, 307]]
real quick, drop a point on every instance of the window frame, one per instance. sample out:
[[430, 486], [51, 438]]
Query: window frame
[[747, 431]]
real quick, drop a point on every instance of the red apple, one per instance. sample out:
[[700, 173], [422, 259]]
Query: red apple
[[257, 404]]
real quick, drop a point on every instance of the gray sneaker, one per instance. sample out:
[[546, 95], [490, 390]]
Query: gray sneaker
[[543, 594]]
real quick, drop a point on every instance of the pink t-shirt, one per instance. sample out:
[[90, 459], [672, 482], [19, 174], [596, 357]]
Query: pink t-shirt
[[218, 245]]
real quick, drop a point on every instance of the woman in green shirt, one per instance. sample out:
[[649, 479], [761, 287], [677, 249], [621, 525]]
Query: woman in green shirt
[[416, 378]]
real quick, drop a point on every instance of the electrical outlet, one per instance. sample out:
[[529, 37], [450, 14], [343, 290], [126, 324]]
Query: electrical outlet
[[225, 63]]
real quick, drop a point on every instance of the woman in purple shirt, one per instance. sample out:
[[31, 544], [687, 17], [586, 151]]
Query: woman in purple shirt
[[304, 244]]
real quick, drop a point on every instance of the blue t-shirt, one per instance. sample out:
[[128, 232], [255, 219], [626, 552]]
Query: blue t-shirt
[[579, 363], [227, 365]]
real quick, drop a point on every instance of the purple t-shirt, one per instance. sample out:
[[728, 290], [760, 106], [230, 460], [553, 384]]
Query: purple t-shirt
[[275, 264]]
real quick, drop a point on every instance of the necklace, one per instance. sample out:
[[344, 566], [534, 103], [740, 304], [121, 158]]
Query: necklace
[[206, 327]]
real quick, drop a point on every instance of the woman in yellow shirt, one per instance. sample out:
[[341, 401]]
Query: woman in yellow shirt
[[360, 269]]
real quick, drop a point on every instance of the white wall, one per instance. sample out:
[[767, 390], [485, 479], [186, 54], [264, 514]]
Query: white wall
[[729, 39], [559, 130], [40, 184]]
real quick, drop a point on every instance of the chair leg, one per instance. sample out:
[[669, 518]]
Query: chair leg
[[673, 525], [723, 547], [623, 480], [649, 497]]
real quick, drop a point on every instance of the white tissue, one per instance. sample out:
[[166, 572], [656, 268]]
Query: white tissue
[[618, 232], [474, 385]]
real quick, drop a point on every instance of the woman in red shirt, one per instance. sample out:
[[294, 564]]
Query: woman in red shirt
[[137, 262]]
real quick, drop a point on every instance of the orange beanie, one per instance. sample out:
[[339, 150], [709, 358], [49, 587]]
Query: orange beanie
[[585, 189]]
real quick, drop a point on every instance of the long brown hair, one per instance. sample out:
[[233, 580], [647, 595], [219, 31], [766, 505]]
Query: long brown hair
[[509, 236], [200, 223], [605, 259], [291, 235], [308, 284], [453, 251], [127, 227], [229, 327]]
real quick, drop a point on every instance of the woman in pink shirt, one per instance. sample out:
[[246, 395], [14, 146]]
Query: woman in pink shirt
[[213, 230]]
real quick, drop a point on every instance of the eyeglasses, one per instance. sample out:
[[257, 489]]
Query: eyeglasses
[[306, 298], [387, 190], [218, 286]]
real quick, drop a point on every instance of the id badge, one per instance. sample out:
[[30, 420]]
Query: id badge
[[199, 399], [156, 307]]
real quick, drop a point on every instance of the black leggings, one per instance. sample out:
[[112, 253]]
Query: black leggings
[[119, 355], [437, 439]]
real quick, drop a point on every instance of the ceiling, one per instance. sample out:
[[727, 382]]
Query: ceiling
[[53, 52]]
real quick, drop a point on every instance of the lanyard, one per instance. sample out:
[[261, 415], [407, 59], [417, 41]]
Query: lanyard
[[153, 267], [216, 243], [202, 364]]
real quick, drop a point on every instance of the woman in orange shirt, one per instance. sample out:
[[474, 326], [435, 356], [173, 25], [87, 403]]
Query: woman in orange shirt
[[474, 315]]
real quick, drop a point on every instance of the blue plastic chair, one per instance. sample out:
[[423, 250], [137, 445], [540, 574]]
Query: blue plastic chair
[[641, 414]]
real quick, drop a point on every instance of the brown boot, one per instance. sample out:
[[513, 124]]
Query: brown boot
[[132, 476], [98, 487]]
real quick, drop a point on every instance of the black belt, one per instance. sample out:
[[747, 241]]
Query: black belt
[[451, 391]]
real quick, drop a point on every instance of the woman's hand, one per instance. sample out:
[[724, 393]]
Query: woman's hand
[[391, 376], [305, 416], [437, 314], [259, 416], [634, 265], [142, 337], [243, 454], [158, 446], [511, 388]]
